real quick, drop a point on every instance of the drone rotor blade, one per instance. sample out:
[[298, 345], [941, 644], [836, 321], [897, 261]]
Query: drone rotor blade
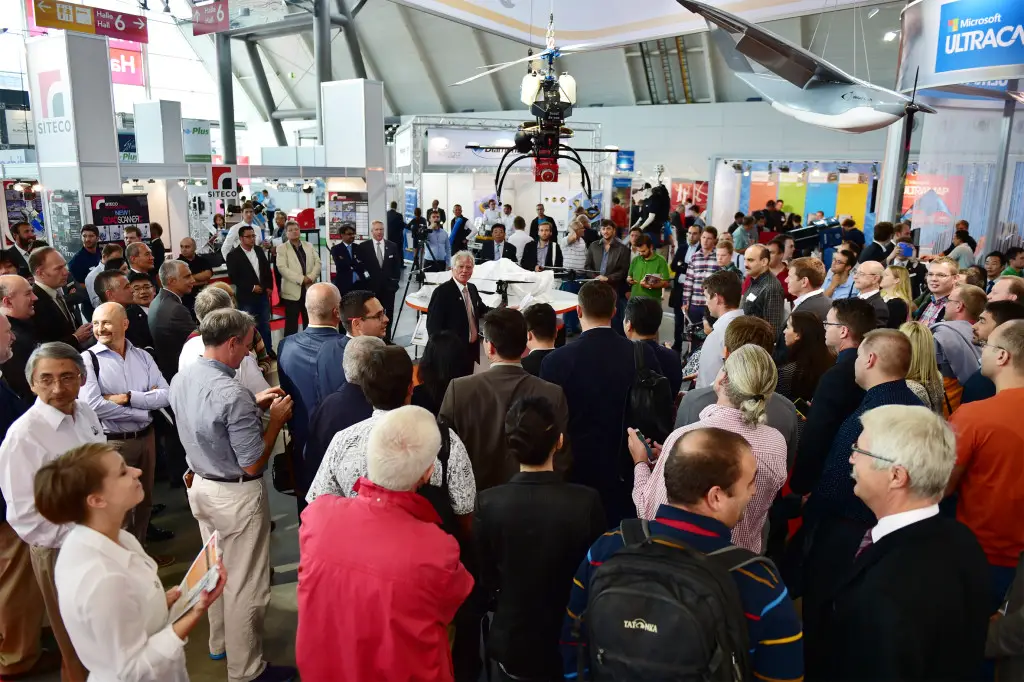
[[577, 48], [499, 68]]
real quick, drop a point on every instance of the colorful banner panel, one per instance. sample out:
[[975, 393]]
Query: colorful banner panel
[[852, 201], [793, 191]]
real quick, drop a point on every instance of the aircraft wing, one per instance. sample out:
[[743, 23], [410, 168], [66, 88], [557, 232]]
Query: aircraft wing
[[791, 62]]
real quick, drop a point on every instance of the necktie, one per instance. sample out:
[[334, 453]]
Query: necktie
[[355, 277], [302, 257], [380, 253], [864, 544], [63, 306], [469, 315], [497, 252]]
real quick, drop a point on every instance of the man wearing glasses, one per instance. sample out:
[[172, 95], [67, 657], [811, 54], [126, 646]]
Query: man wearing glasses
[[837, 520], [839, 282], [941, 280], [957, 356], [988, 477]]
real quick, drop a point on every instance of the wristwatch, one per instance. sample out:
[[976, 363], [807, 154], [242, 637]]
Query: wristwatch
[[129, 403]]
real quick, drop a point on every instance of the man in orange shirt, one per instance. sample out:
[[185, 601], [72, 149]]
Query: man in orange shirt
[[989, 472], [619, 214]]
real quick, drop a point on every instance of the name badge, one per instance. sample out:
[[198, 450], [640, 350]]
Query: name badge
[[751, 297]]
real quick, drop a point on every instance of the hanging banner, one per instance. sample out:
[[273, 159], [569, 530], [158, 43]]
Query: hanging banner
[[210, 18], [111, 213], [93, 20], [126, 147], [65, 221], [126, 66], [223, 183], [195, 136], [348, 208], [624, 161], [932, 198]]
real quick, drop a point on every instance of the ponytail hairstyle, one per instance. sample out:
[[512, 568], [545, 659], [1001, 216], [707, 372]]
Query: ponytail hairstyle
[[62, 486], [531, 431], [751, 379]]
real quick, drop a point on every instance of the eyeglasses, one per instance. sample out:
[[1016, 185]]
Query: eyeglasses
[[859, 451], [832, 324], [938, 275], [954, 300], [65, 380], [379, 315], [986, 344]]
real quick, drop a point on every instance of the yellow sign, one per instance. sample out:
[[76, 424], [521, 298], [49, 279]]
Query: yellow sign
[[64, 15]]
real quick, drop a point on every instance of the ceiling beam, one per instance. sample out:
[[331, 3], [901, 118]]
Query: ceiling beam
[[485, 55], [371, 65], [709, 71], [289, 91], [421, 53]]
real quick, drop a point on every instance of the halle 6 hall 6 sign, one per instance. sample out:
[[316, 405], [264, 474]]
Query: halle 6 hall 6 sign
[[85, 19]]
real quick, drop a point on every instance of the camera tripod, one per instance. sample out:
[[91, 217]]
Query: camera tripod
[[418, 273]]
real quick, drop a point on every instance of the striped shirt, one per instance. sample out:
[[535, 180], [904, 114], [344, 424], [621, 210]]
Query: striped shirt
[[574, 255], [701, 265], [769, 448], [766, 299], [774, 631]]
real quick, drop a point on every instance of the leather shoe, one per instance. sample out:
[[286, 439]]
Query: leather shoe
[[157, 509], [277, 673], [49, 661], [156, 534]]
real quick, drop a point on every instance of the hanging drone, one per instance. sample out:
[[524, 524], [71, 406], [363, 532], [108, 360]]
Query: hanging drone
[[551, 98]]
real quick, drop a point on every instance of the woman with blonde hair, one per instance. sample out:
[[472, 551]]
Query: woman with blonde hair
[[924, 378], [895, 287], [743, 386], [111, 599]]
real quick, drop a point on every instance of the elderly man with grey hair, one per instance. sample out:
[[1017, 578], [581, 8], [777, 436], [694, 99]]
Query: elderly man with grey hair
[[456, 305], [248, 374], [170, 322], [917, 597], [57, 422], [221, 427]]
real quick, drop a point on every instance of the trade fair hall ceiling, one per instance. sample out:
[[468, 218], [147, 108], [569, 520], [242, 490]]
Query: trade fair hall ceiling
[[419, 47]]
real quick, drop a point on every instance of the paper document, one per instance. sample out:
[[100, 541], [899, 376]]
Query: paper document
[[202, 575]]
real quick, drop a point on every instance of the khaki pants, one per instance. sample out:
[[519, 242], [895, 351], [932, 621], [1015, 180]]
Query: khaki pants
[[43, 561], [21, 605], [141, 454], [240, 514]]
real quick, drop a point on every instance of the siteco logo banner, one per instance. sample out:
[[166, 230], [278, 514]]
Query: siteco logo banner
[[222, 185], [980, 33]]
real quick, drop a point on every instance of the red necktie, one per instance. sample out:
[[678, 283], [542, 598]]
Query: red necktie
[[865, 542], [469, 315]]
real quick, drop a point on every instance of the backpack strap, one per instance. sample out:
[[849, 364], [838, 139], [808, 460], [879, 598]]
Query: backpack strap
[[445, 452], [733, 558], [95, 366], [638, 355], [635, 531]]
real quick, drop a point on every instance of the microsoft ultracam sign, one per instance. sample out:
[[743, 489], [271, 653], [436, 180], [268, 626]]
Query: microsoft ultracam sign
[[980, 33]]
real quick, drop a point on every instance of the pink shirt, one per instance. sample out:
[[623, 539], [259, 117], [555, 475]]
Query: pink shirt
[[769, 448]]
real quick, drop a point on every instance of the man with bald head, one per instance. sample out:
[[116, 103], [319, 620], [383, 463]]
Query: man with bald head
[[309, 364], [1007, 288], [122, 386], [17, 303], [201, 270], [867, 278], [111, 286]]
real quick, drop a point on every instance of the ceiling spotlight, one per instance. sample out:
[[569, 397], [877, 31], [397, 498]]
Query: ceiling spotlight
[[783, 167], [746, 170], [181, 183], [290, 183], [843, 168], [769, 168], [738, 167], [151, 181], [804, 169], [37, 187], [167, 6], [874, 170], [891, 35], [872, 13]]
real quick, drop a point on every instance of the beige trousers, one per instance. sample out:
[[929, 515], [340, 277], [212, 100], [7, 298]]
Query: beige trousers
[[44, 560], [240, 514], [21, 605], [141, 454]]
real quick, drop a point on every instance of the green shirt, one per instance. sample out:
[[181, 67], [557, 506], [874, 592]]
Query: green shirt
[[640, 267], [1010, 270]]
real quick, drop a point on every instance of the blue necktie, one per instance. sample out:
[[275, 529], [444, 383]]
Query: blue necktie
[[355, 277]]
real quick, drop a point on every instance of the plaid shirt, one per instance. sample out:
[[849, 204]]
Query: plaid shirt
[[701, 265], [769, 448], [930, 314], [766, 299]]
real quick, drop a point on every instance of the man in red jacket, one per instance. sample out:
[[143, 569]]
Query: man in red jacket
[[379, 581]]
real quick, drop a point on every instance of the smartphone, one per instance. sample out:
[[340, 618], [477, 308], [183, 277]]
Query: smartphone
[[906, 250], [643, 439], [803, 407]]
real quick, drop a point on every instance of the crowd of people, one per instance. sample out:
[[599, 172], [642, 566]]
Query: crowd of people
[[821, 463]]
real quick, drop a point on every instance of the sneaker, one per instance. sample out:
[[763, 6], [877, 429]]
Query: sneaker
[[276, 673], [218, 657]]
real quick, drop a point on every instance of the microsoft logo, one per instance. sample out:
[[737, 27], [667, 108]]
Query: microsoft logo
[[953, 24], [956, 23]]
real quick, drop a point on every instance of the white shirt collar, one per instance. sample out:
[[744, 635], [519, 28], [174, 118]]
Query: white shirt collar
[[868, 294], [51, 415], [23, 252], [803, 297], [52, 292], [726, 317], [101, 543], [894, 522]]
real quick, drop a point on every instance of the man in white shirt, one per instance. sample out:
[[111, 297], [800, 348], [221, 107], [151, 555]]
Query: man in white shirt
[[491, 215], [517, 235], [805, 279], [506, 216], [109, 252], [57, 422], [867, 278], [722, 290], [231, 240]]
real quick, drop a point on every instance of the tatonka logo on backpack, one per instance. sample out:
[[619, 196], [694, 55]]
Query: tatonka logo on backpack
[[640, 624]]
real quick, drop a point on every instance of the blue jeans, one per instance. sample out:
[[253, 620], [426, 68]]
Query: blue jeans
[[571, 319], [259, 308]]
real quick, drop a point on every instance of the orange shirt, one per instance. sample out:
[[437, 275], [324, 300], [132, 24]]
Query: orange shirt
[[990, 447], [619, 215]]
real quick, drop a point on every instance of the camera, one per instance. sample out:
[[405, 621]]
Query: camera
[[419, 233]]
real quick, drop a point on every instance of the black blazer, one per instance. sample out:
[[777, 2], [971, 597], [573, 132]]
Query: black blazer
[[159, 253], [617, 267], [533, 531], [459, 235], [531, 361], [381, 279], [14, 369], [244, 277], [915, 606], [22, 264], [396, 228], [336, 412], [170, 325], [898, 311], [507, 251], [552, 259], [678, 265], [873, 251], [344, 266], [881, 309], [138, 327], [50, 324], [447, 311]]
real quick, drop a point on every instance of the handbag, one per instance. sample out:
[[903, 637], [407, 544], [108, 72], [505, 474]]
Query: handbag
[[282, 470]]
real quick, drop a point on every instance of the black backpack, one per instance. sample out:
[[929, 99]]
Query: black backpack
[[651, 405], [437, 495], [659, 611]]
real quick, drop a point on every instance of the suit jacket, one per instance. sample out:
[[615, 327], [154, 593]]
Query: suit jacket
[[345, 266], [532, 360], [617, 267], [138, 327], [476, 406], [20, 261], [244, 277], [159, 253], [881, 308], [170, 324], [529, 259], [819, 305], [50, 324], [881, 624], [14, 369], [382, 278], [338, 411], [291, 269], [396, 228], [447, 311], [507, 251], [11, 408], [596, 372], [873, 251], [1006, 635]]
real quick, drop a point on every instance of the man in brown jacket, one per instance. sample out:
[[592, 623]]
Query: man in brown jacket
[[476, 405]]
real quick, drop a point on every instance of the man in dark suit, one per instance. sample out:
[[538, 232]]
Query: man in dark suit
[[249, 271], [17, 303], [156, 245], [476, 405], [915, 605], [878, 250], [170, 323], [383, 262], [541, 330], [396, 228], [140, 259], [349, 270], [806, 276], [610, 259], [868, 278], [642, 322], [596, 373], [498, 248], [546, 244], [55, 318], [24, 236], [456, 306], [435, 207], [460, 230]]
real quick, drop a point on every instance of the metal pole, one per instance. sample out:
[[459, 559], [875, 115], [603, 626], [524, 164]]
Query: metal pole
[[260, 76], [893, 174], [992, 230], [352, 40], [321, 57], [226, 97]]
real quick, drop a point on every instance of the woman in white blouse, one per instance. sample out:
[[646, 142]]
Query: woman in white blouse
[[113, 605]]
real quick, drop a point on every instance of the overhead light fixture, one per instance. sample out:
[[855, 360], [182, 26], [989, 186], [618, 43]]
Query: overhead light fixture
[[738, 167], [167, 6], [746, 170], [612, 147], [891, 35], [181, 183], [151, 181], [874, 170], [843, 168], [37, 187], [872, 13], [783, 167]]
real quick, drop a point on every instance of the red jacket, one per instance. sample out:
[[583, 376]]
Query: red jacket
[[379, 582]]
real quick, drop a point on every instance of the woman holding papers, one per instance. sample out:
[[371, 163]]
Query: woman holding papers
[[113, 604]]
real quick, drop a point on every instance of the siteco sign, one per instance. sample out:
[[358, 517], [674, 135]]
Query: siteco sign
[[980, 33]]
